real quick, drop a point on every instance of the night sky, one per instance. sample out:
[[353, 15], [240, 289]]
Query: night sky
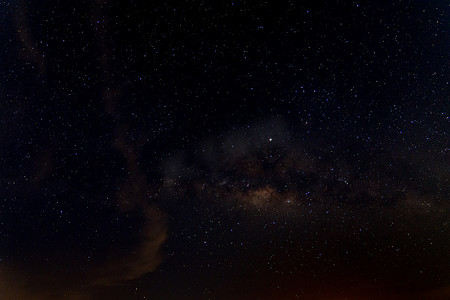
[[224, 150]]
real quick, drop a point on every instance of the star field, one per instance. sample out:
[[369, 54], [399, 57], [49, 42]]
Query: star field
[[227, 150]]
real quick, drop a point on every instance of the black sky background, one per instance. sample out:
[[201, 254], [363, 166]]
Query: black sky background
[[231, 150]]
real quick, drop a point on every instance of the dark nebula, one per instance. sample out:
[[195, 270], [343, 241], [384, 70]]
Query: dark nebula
[[226, 150]]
